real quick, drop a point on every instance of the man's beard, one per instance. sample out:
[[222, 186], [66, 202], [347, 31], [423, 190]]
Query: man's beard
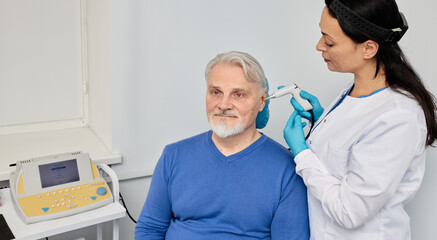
[[221, 129]]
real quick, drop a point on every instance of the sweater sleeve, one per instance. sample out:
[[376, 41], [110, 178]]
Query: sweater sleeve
[[376, 165], [290, 221], [156, 213]]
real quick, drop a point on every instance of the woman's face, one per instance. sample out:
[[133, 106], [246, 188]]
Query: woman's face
[[340, 53]]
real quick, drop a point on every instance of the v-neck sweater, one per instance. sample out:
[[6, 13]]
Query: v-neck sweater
[[199, 193]]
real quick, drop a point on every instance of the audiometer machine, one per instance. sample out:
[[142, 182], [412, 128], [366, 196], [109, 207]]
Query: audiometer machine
[[57, 186]]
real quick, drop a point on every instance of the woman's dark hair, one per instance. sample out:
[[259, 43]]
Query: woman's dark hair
[[400, 75]]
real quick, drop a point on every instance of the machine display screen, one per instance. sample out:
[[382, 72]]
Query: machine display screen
[[57, 173]]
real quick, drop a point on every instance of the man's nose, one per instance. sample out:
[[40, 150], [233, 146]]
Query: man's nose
[[225, 103]]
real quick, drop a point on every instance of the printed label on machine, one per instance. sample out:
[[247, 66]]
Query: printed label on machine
[[57, 186]]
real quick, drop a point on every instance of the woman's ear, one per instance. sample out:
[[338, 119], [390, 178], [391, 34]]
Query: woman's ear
[[370, 49]]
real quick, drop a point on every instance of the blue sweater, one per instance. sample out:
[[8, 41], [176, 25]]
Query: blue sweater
[[197, 193]]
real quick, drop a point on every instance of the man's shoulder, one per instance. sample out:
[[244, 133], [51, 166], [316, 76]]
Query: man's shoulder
[[277, 150], [271, 143], [273, 158]]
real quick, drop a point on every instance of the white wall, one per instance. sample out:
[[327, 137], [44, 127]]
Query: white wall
[[40, 62], [159, 50], [99, 65]]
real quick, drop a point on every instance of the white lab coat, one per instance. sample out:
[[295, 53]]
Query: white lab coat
[[365, 160]]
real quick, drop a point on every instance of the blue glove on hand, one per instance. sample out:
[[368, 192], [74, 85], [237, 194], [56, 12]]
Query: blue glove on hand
[[317, 108], [263, 117], [293, 133]]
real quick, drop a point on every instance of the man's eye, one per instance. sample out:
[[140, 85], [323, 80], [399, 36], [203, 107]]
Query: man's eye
[[214, 92], [239, 95], [328, 45]]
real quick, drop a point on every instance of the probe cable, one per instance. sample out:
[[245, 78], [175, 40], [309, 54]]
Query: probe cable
[[312, 124], [127, 211]]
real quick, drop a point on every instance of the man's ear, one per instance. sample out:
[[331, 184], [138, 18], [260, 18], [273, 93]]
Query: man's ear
[[370, 49], [262, 103]]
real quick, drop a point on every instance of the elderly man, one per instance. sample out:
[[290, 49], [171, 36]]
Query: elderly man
[[232, 182]]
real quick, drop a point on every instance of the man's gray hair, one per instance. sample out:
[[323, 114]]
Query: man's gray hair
[[251, 67]]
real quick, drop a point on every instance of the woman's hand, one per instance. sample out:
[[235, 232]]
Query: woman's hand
[[293, 133], [317, 108]]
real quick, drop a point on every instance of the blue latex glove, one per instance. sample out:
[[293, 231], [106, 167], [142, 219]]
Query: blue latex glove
[[293, 133], [263, 117], [317, 108]]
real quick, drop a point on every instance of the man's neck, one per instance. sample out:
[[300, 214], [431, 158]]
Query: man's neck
[[237, 143]]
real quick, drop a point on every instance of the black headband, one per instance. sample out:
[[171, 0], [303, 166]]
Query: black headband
[[366, 27]]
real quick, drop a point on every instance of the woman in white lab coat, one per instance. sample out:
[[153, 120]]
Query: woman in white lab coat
[[365, 156]]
